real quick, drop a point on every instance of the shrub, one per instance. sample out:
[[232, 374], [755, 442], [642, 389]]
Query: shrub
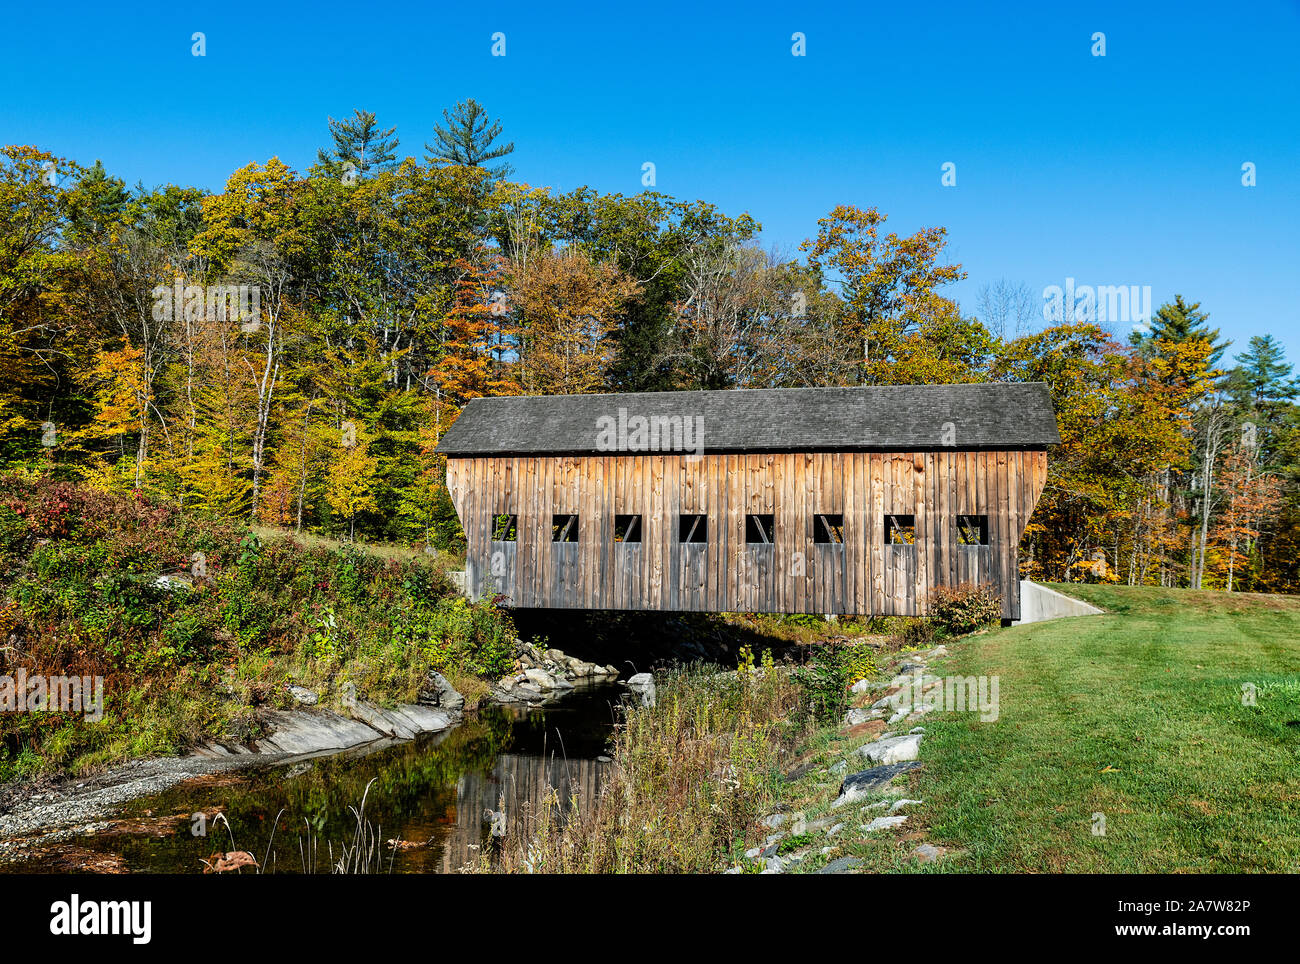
[[826, 677], [916, 632], [964, 609]]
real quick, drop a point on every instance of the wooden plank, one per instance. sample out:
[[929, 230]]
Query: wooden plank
[[781, 533], [979, 501], [468, 521], [608, 471], [920, 489], [673, 559], [711, 508], [1014, 529], [1006, 549], [875, 463], [860, 542], [736, 503]]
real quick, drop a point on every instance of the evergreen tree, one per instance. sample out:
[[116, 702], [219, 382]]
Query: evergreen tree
[[1262, 376], [97, 201], [467, 139], [1176, 323], [359, 141]]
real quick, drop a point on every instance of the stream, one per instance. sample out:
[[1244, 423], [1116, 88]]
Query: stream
[[431, 793]]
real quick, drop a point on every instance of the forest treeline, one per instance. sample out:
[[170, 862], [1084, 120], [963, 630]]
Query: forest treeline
[[289, 351]]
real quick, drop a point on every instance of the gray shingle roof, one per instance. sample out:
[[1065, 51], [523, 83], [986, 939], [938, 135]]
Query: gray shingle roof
[[895, 417]]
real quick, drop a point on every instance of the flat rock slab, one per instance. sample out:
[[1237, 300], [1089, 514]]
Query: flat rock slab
[[884, 823], [928, 853], [311, 731], [841, 865], [858, 785]]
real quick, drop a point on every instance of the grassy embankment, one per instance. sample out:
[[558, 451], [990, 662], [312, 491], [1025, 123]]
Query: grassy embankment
[[1176, 717], [197, 659]]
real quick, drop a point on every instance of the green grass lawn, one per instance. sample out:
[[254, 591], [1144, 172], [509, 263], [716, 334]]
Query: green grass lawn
[[1137, 715]]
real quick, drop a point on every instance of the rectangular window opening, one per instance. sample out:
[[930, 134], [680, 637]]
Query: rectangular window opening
[[564, 528], [692, 529], [627, 528], [828, 529], [900, 530], [760, 529], [972, 530], [505, 528]]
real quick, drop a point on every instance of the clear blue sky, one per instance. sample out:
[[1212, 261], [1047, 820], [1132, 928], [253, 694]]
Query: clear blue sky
[[1117, 170]]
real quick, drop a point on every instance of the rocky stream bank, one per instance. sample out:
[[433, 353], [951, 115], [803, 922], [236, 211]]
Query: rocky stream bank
[[864, 793], [48, 810]]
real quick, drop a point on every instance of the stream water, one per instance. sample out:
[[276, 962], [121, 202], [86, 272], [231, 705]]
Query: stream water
[[431, 793]]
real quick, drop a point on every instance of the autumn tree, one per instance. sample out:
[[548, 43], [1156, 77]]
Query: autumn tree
[[889, 284], [476, 344], [569, 307], [352, 478]]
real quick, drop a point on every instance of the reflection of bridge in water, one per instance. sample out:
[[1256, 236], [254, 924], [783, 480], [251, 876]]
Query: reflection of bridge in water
[[519, 784], [552, 750]]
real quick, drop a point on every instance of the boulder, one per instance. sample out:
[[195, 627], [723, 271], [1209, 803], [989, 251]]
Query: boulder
[[885, 702], [540, 678], [303, 696], [895, 749], [643, 685], [859, 715], [437, 691]]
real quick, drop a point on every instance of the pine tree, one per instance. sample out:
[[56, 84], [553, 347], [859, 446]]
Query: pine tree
[[468, 139], [96, 202], [1262, 376], [1176, 323], [360, 142]]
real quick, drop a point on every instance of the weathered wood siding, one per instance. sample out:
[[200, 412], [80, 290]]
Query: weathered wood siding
[[861, 575]]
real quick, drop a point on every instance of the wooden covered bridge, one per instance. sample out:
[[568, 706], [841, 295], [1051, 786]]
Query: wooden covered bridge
[[812, 500]]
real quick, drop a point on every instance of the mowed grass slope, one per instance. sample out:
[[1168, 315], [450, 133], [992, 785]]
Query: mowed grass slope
[[1137, 715]]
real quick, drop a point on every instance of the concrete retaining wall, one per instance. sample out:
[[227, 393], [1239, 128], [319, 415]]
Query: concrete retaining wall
[[1038, 603]]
